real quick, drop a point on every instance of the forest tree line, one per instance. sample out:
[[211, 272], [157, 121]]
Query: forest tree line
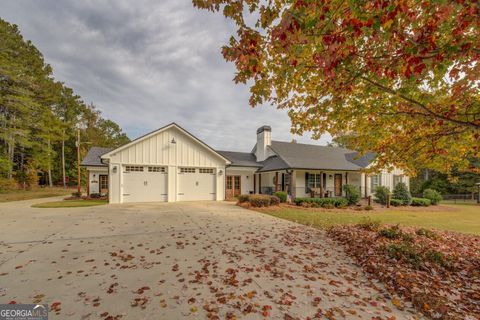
[[39, 119]]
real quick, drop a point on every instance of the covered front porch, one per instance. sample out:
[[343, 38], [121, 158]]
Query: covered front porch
[[309, 183]]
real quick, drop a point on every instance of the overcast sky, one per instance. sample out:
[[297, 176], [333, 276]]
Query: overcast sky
[[146, 63]]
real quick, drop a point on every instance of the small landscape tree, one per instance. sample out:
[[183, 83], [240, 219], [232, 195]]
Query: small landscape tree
[[352, 193], [381, 194], [401, 192]]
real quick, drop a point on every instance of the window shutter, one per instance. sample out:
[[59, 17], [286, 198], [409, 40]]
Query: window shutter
[[306, 182], [324, 181]]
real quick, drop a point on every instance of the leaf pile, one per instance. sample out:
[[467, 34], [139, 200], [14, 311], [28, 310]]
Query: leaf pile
[[439, 272]]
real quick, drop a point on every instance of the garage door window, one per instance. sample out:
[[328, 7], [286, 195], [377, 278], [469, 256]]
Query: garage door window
[[206, 170], [187, 170], [134, 169], [157, 169]]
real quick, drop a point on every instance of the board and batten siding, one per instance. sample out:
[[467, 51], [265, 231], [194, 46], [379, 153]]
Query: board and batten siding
[[159, 150], [386, 179]]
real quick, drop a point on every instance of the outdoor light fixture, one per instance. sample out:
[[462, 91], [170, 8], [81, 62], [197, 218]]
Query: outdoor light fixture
[[114, 169], [173, 141], [220, 172]]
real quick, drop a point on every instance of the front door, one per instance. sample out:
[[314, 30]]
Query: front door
[[232, 187], [103, 184], [338, 185]]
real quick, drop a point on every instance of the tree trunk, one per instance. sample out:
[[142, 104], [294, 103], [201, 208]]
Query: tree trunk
[[11, 149], [22, 166], [63, 162], [49, 166]]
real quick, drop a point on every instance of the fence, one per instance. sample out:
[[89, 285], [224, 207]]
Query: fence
[[461, 198]]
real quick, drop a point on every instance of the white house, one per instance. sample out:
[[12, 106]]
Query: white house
[[170, 164]]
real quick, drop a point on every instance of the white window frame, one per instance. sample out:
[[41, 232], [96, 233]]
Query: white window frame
[[156, 169], [187, 170], [132, 168], [397, 178], [206, 170], [375, 181]]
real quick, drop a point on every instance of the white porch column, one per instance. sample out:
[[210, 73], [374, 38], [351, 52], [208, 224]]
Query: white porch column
[[293, 183], [364, 184]]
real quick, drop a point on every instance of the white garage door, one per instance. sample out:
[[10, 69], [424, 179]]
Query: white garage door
[[144, 184], [196, 184]]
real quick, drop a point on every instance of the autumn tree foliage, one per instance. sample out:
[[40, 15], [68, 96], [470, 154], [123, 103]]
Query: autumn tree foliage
[[398, 77]]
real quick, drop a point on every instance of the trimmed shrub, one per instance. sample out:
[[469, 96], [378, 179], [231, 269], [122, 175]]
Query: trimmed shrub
[[421, 202], [396, 202], [401, 192], [274, 200], [243, 198], [282, 195], [352, 194], [322, 202], [76, 194], [433, 195], [95, 196], [381, 194], [259, 200], [368, 207]]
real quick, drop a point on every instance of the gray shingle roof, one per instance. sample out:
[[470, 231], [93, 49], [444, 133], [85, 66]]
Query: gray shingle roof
[[289, 155], [362, 161], [93, 157], [274, 163], [241, 159], [306, 156]]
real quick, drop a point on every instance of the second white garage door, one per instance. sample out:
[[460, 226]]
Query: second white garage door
[[196, 184], [145, 184]]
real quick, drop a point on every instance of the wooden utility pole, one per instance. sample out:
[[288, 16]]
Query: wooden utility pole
[[63, 161], [78, 163]]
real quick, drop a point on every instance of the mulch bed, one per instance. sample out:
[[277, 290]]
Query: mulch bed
[[437, 271], [86, 198]]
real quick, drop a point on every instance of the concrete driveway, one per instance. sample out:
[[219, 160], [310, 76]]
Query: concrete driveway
[[182, 260]]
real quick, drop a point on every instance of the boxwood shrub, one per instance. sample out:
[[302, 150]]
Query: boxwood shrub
[[323, 202], [282, 195], [421, 202], [259, 200], [243, 198], [274, 200], [396, 202], [433, 195]]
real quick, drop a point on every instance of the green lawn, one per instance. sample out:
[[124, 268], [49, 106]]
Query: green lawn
[[70, 204], [16, 195], [462, 218]]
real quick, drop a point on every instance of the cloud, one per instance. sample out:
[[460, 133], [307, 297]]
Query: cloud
[[148, 63]]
